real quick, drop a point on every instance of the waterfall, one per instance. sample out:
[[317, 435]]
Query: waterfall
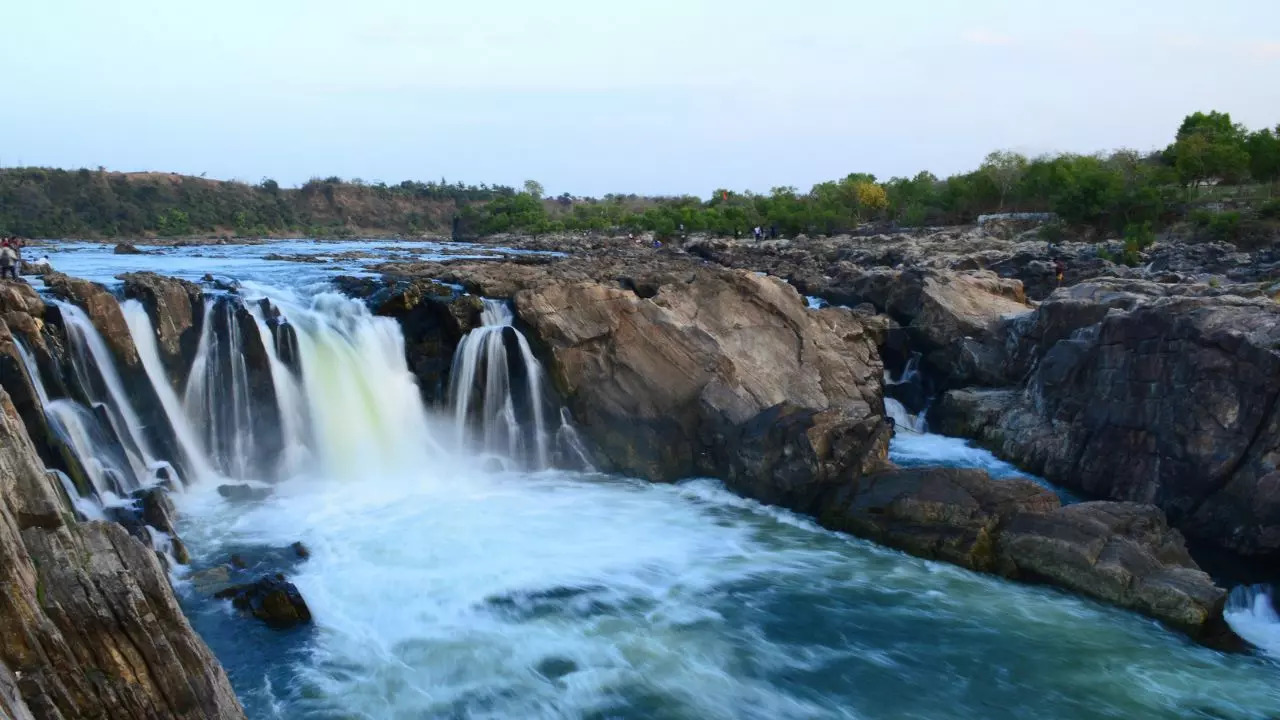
[[1251, 612], [218, 391], [144, 338], [496, 395], [289, 398], [903, 419], [96, 373]]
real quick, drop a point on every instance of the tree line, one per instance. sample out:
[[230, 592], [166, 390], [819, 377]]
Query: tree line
[[1211, 158]]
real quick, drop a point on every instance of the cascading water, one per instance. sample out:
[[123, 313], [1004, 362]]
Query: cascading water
[[498, 396], [218, 391], [99, 380], [1251, 612]]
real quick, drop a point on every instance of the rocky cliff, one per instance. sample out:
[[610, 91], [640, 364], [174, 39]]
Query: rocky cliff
[[91, 628], [1136, 392]]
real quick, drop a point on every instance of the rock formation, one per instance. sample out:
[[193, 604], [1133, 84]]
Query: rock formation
[[91, 628], [176, 309], [715, 372], [1138, 393], [1120, 553]]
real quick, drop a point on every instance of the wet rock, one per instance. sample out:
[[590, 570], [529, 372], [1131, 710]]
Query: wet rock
[[211, 580], [127, 249], [176, 309], [1120, 553], [1124, 554], [947, 514], [301, 550], [241, 493], [237, 561], [90, 622], [272, 600], [157, 511], [554, 668], [720, 373]]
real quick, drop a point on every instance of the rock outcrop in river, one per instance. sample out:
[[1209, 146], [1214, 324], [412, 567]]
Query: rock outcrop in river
[[715, 372]]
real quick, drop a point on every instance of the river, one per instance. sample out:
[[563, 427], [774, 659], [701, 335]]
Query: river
[[446, 586]]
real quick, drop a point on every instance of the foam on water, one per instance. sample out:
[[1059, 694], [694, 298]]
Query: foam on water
[[457, 593]]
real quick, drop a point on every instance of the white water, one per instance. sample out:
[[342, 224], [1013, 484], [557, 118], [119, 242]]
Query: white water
[[1251, 612], [144, 338], [903, 419], [86, 346], [483, 398]]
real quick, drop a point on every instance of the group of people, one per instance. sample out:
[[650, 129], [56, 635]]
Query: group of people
[[10, 257]]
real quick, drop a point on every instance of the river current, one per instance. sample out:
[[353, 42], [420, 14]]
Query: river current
[[444, 585]]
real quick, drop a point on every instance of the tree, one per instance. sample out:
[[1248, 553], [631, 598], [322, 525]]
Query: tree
[[1264, 155], [1209, 147], [1004, 168], [534, 188]]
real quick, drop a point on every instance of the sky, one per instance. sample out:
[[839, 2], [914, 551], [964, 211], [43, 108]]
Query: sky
[[592, 96]]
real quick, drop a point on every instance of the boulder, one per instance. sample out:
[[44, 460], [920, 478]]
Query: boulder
[[271, 599], [946, 514], [176, 309], [127, 249], [1124, 554], [90, 623], [720, 373], [1120, 553], [242, 493]]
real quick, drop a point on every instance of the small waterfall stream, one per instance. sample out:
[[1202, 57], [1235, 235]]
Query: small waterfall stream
[[499, 400]]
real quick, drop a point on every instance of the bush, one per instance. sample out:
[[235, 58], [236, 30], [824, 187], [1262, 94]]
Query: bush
[[1270, 210]]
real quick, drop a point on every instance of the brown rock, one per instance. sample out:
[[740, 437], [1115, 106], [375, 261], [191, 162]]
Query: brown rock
[[176, 309], [719, 372], [89, 620]]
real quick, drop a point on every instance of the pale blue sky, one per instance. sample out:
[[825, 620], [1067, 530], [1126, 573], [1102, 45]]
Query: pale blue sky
[[591, 96]]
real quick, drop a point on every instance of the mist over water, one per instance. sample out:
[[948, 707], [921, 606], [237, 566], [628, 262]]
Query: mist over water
[[445, 586]]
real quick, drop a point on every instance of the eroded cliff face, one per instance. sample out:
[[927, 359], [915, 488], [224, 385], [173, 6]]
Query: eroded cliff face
[[91, 628]]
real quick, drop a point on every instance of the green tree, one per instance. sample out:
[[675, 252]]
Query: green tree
[[1209, 147], [1004, 169], [1264, 155], [534, 188]]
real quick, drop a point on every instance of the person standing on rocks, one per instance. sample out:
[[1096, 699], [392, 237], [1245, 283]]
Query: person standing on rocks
[[8, 259], [1059, 269]]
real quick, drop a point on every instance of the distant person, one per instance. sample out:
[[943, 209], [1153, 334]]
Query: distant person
[[657, 243], [773, 232], [40, 266], [8, 259], [1059, 269], [757, 233]]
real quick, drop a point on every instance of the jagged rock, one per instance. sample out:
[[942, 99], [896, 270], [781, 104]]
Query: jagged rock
[[127, 249], [89, 620], [1167, 400], [158, 511], [103, 311], [301, 550], [244, 493], [272, 600], [176, 309], [719, 373]]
